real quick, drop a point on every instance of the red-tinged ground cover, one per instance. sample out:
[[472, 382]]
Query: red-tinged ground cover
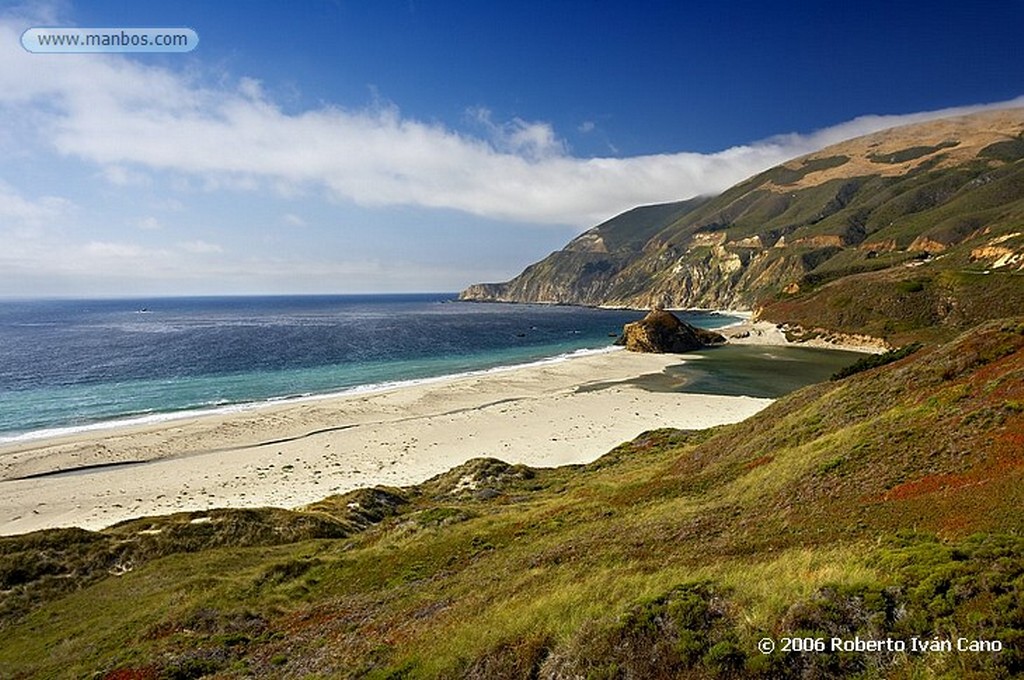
[[148, 673], [932, 484]]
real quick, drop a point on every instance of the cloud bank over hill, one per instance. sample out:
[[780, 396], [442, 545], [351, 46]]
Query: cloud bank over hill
[[175, 174], [130, 119]]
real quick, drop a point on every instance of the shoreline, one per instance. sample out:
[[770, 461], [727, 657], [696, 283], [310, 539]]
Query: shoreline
[[745, 330], [292, 453], [168, 416], [751, 332], [162, 417]]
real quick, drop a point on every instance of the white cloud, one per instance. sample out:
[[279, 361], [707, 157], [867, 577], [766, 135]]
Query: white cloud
[[200, 247], [293, 220], [93, 261], [16, 209], [120, 176], [149, 224], [586, 126], [517, 137], [250, 88], [131, 120], [113, 250], [169, 205]]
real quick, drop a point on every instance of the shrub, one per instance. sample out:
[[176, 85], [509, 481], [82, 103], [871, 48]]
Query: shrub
[[876, 360]]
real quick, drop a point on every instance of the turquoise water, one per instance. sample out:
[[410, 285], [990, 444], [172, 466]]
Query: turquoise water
[[70, 364], [755, 371]]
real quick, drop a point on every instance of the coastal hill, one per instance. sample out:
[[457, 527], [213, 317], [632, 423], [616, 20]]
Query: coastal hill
[[885, 504], [913, 214]]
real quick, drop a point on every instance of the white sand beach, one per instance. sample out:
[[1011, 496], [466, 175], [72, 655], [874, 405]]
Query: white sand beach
[[750, 332], [295, 453]]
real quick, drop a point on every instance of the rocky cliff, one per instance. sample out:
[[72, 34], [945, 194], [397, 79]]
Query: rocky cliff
[[914, 209], [662, 332], [586, 270]]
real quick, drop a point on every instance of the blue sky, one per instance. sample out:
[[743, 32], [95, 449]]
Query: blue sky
[[382, 146]]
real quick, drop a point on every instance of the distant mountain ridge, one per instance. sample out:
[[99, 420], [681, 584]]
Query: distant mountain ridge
[[919, 203]]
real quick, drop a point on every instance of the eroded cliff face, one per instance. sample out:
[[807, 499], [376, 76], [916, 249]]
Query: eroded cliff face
[[564, 277], [910, 203], [697, 276], [718, 277], [587, 269]]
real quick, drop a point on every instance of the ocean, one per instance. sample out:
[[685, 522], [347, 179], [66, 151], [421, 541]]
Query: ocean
[[67, 365]]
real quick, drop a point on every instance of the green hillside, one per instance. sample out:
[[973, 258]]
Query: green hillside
[[591, 261], [928, 205], [886, 504]]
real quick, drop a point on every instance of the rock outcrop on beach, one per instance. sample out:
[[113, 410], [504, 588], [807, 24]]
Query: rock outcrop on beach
[[662, 332], [877, 235]]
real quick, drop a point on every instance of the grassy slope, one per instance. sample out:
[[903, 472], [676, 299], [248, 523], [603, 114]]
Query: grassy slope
[[886, 503], [904, 305], [840, 254], [962, 208]]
